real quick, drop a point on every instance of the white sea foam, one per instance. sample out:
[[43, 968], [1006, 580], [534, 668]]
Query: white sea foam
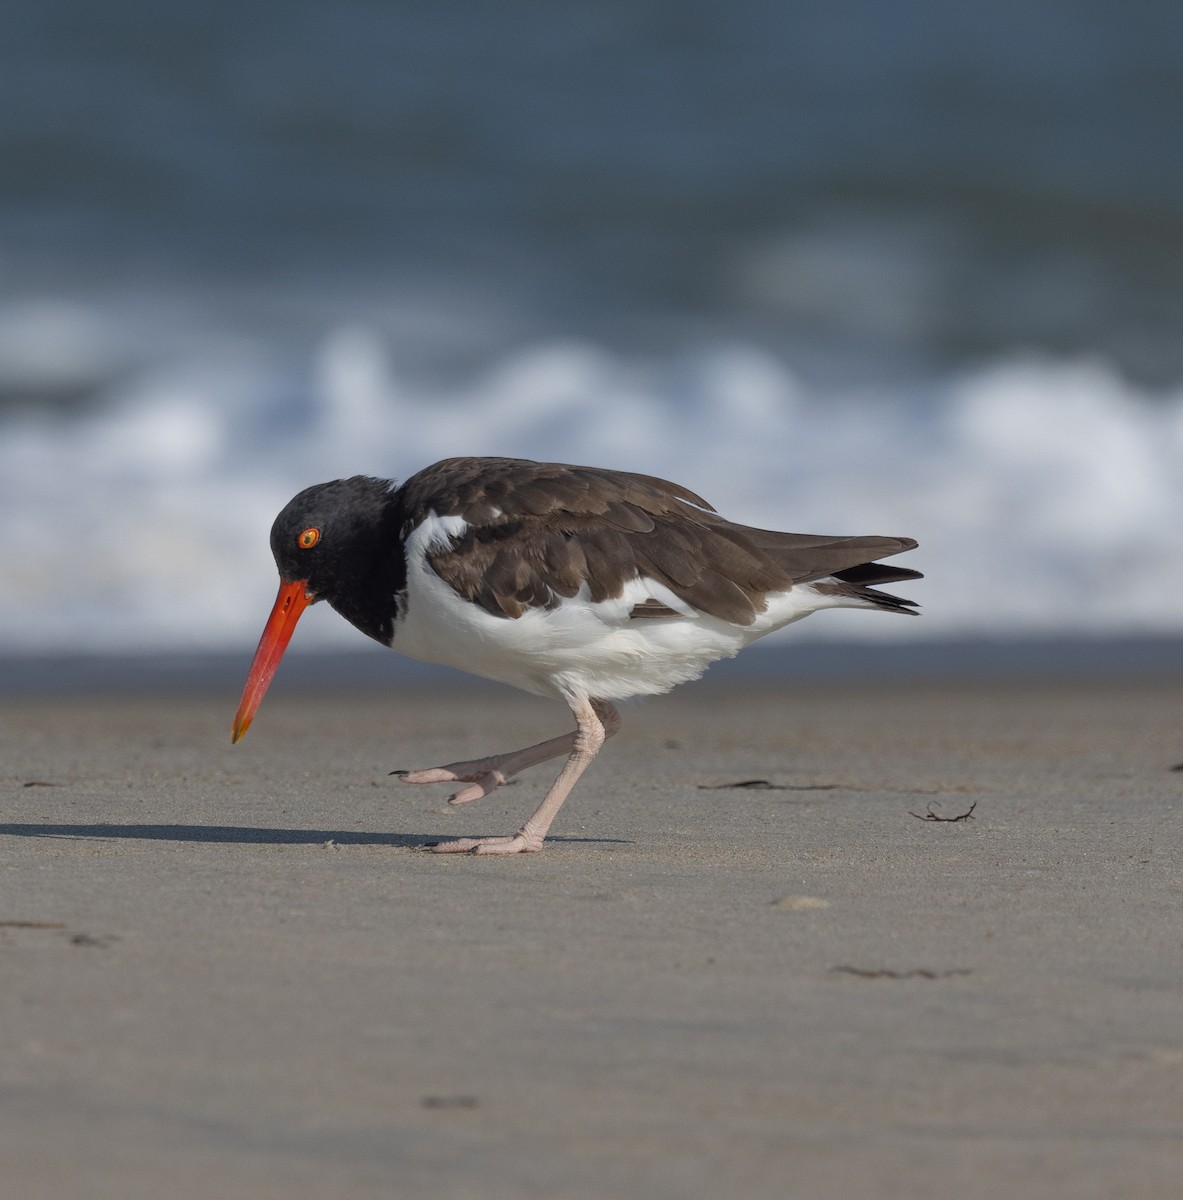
[[1047, 496]]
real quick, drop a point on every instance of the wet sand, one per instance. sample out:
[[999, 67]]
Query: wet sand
[[234, 972]]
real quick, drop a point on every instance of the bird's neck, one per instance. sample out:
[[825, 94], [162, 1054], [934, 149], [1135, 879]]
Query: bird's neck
[[372, 575]]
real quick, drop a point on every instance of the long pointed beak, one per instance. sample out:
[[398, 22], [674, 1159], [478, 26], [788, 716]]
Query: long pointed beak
[[292, 600]]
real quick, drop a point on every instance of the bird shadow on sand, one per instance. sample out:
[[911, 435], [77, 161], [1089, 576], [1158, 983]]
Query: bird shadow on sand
[[246, 835]]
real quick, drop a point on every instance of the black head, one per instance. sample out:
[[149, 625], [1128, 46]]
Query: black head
[[332, 535], [336, 542]]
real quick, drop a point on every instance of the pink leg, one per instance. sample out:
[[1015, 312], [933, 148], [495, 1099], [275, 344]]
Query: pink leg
[[595, 722], [486, 775]]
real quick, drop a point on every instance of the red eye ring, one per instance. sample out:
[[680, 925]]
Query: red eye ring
[[308, 539]]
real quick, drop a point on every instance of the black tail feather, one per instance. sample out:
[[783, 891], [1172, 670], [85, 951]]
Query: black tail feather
[[867, 573], [870, 596]]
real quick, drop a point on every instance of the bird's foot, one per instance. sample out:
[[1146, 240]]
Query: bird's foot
[[482, 775], [518, 843]]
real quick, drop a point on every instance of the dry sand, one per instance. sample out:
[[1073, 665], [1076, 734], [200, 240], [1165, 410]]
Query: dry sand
[[234, 973]]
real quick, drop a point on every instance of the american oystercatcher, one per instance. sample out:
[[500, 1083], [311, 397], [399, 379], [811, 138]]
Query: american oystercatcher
[[582, 584]]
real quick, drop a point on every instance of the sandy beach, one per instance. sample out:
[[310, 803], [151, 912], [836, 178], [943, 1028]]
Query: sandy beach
[[234, 972]]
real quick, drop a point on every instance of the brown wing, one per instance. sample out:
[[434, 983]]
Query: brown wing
[[538, 531]]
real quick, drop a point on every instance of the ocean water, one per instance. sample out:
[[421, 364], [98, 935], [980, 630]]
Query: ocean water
[[879, 267], [1046, 494]]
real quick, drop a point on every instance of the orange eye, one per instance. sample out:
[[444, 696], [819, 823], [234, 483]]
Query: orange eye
[[308, 539]]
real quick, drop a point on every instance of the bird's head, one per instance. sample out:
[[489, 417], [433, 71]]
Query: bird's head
[[324, 542]]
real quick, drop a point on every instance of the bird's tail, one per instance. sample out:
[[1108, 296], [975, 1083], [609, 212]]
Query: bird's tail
[[853, 584]]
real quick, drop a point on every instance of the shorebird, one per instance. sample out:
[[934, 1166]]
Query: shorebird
[[581, 584]]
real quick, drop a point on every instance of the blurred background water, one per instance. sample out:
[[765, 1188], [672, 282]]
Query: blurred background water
[[887, 266]]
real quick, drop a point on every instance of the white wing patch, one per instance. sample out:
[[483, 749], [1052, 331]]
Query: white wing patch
[[618, 609], [435, 533]]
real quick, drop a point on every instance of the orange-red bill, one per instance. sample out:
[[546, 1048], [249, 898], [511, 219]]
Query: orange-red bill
[[292, 600]]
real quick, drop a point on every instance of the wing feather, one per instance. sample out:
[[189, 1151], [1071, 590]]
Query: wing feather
[[536, 532]]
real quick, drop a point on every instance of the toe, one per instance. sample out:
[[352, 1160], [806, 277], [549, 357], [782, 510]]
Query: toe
[[430, 775], [512, 845], [480, 787], [455, 846]]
